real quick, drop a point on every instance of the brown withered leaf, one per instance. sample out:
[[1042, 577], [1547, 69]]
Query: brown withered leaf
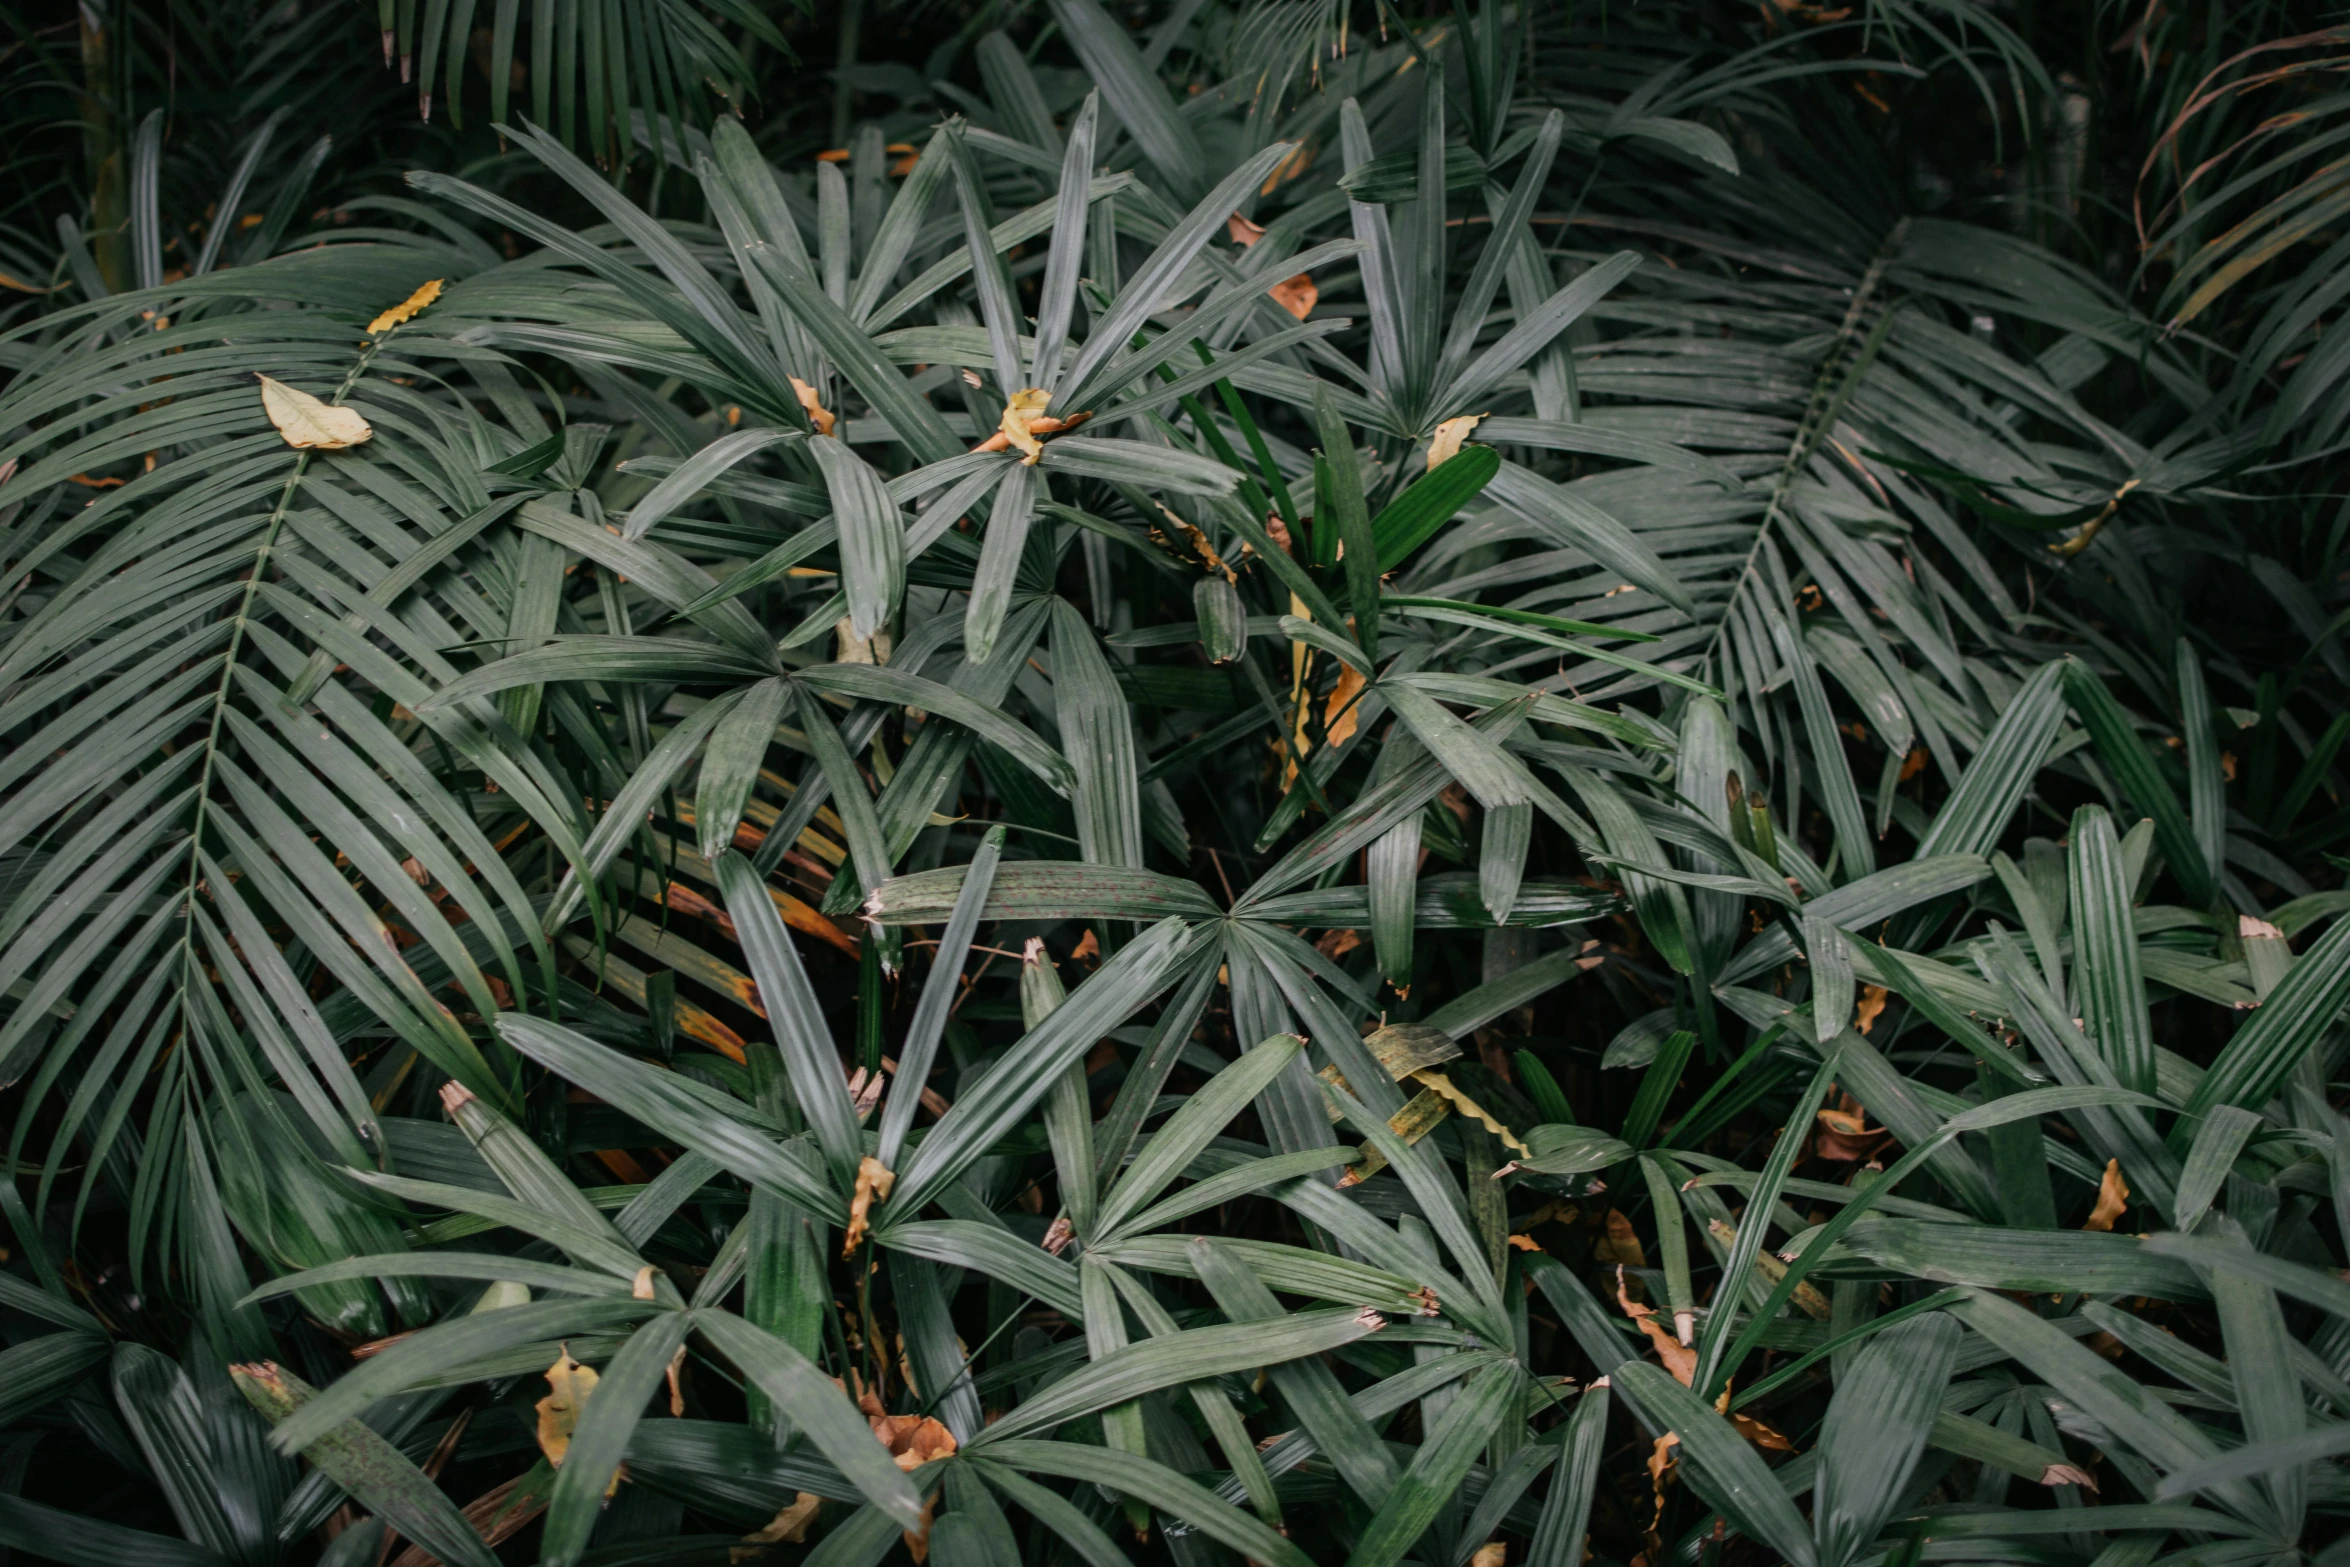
[[1844, 1132], [1675, 1356], [874, 1179], [820, 416], [497, 1515], [1338, 943], [789, 1527], [1869, 1007], [1759, 1434], [1297, 295], [912, 1440], [1621, 1244], [1660, 1475], [2113, 1195]]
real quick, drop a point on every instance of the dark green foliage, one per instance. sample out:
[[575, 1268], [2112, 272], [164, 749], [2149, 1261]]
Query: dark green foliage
[[1301, 784]]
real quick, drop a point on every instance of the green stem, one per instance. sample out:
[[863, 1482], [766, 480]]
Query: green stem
[[236, 642]]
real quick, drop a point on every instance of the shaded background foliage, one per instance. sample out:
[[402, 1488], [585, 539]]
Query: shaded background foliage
[[1805, 871]]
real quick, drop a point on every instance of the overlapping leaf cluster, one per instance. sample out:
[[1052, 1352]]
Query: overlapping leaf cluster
[[1321, 794]]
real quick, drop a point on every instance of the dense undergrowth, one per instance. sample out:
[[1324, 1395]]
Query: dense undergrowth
[[1280, 782]]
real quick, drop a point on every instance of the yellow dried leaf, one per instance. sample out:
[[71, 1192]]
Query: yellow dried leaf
[[407, 309], [1867, 1009], [1243, 232], [642, 1288], [1491, 1554], [570, 1384], [2113, 1195], [874, 1179], [1470, 1108], [1340, 714], [1405, 1048], [1023, 410], [1415, 1120], [304, 421], [820, 416], [1446, 444]]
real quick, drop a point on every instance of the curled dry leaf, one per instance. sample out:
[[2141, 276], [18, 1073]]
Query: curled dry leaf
[[2066, 1474], [874, 1179], [1022, 412], [642, 1288], [1621, 1244], [1340, 715], [1437, 1083], [1446, 444], [1671, 1353], [912, 1440], [2113, 1195], [569, 1385], [1660, 1475], [1752, 1429], [307, 423], [1038, 424], [1297, 295], [1844, 1132], [1869, 1007], [789, 1526], [820, 416], [407, 309], [1338, 943]]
